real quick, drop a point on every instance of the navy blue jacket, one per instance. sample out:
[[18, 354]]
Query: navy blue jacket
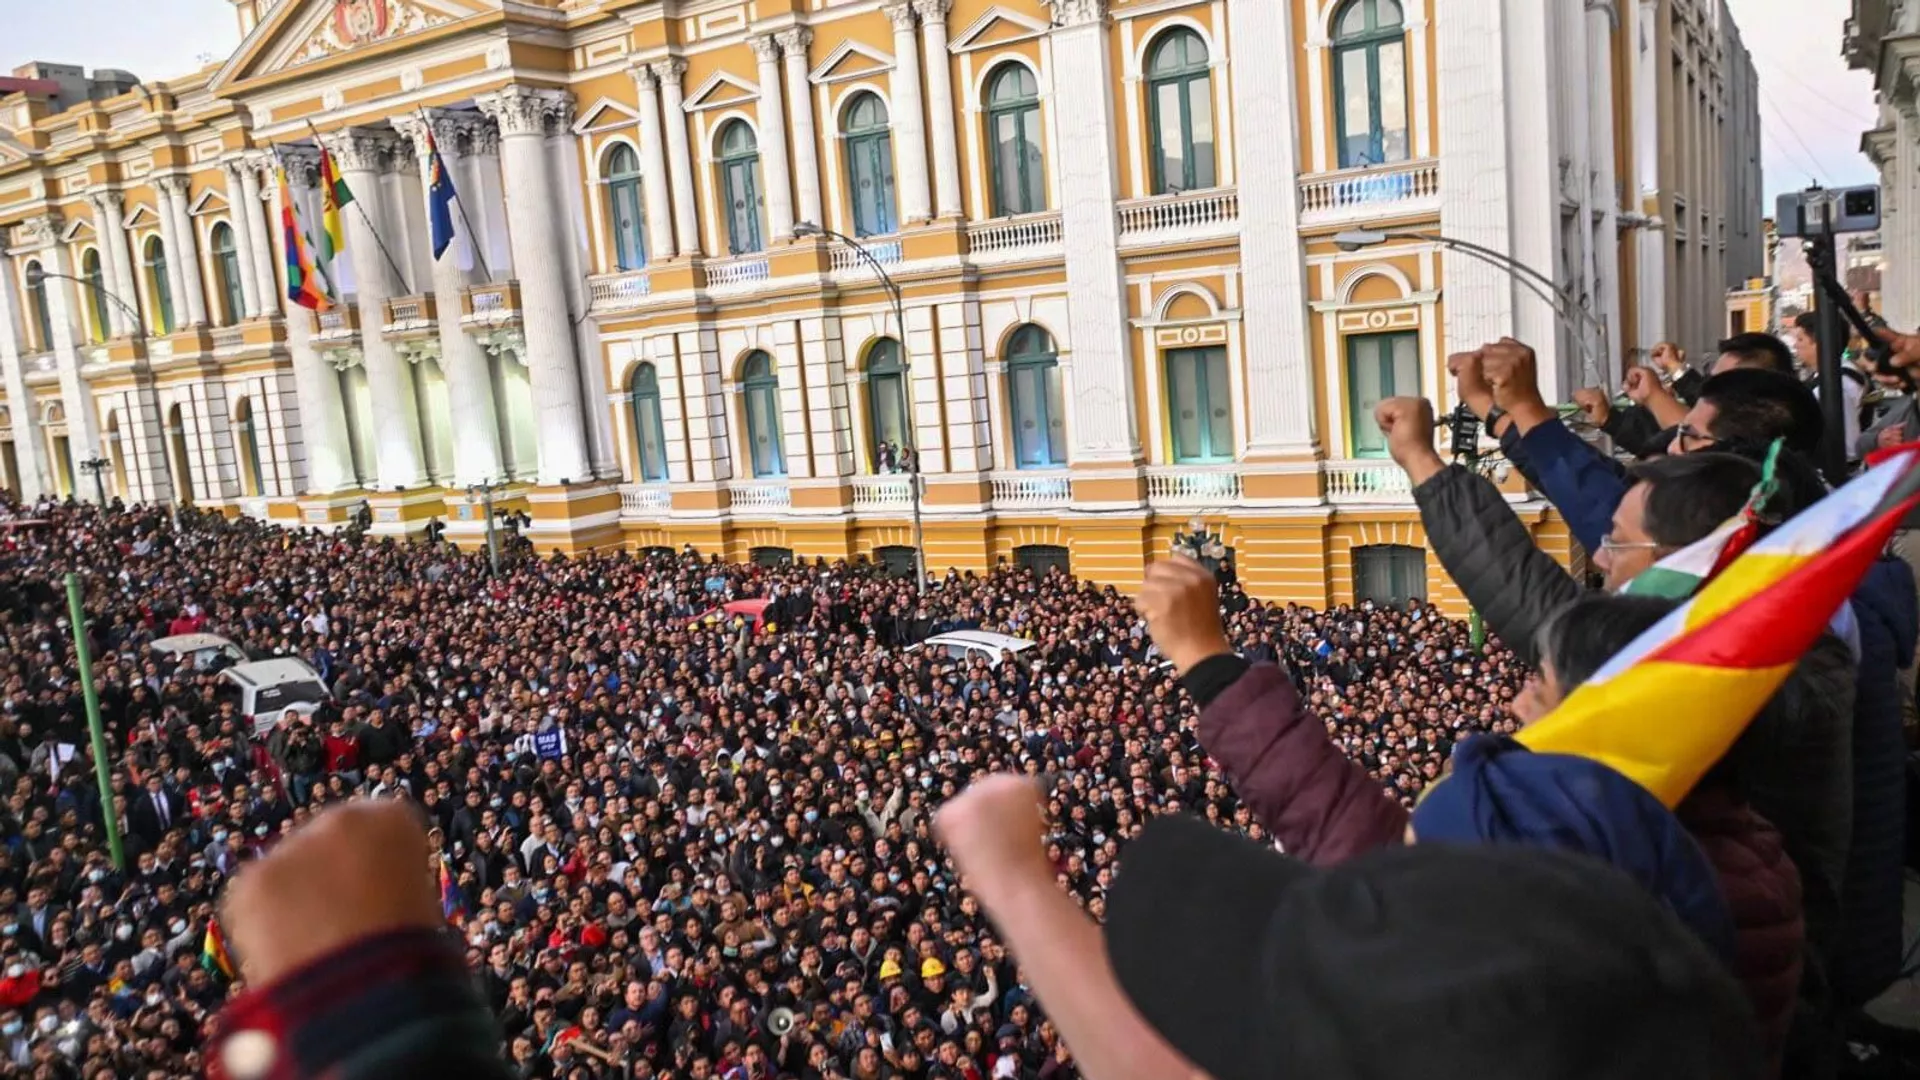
[[1585, 485]]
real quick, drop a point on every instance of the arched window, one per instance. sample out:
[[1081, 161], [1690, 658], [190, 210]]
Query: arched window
[[1370, 83], [157, 286], [99, 320], [1180, 106], [1013, 141], [886, 403], [226, 267], [37, 305], [740, 182], [1039, 402], [1198, 403], [252, 478], [869, 164], [623, 207], [761, 388], [649, 428]]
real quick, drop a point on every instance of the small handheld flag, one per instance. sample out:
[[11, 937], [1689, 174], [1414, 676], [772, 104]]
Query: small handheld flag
[[213, 951], [440, 196], [453, 906]]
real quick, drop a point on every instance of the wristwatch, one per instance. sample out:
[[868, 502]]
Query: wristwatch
[[1493, 417]]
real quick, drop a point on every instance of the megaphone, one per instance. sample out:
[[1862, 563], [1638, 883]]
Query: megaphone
[[780, 1021]]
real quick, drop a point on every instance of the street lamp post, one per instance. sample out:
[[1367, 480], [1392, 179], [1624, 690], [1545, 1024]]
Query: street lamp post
[[97, 465], [808, 228], [484, 491], [1563, 302]]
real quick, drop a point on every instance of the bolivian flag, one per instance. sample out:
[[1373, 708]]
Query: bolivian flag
[[213, 951], [1670, 705], [334, 194]]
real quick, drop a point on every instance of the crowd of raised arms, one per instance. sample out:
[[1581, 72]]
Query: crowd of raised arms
[[659, 830]]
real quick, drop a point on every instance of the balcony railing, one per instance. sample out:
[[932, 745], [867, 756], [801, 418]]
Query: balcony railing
[[882, 492], [1007, 239], [1367, 482], [762, 496], [232, 337], [1197, 486], [619, 292], [339, 321], [843, 258], [45, 362], [1357, 194], [1211, 212], [645, 500], [1031, 492], [738, 272], [410, 316], [494, 304], [255, 508]]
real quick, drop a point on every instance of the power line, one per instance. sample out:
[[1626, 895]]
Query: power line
[[1850, 111], [1811, 160]]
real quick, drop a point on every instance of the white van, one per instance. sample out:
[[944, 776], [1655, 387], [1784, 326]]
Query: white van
[[206, 650], [265, 689], [962, 646]]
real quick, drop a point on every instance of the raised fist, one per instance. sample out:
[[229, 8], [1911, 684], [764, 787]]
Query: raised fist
[[1669, 356], [1641, 384], [994, 830], [1471, 383], [1408, 424], [1595, 403], [1181, 602], [1509, 367]]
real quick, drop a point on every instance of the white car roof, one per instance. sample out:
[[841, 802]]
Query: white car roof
[[273, 672], [186, 643], [981, 639]]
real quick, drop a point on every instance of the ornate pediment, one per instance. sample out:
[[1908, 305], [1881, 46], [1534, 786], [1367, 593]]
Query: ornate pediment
[[302, 32], [997, 26], [852, 60], [721, 89]]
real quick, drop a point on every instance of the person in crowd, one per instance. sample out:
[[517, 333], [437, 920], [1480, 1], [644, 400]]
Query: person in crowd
[[1662, 395], [1319, 808], [716, 813], [1803, 337]]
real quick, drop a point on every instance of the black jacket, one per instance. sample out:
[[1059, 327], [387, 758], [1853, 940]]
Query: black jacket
[[1492, 557]]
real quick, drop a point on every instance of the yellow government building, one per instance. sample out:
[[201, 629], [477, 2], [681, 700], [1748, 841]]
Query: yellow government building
[[668, 315]]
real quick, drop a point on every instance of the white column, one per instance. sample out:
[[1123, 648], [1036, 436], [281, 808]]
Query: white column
[[1102, 386], [76, 395], [806, 151], [773, 139], [262, 248], [653, 168], [524, 116], [108, 218], [178, 253], [362, 156], [1279, 358], [186, 255], [1606, 228], [476, 442], [1474, 175], [29, 445], [909, 125], [245, 248], [686, 224], [946, 145]]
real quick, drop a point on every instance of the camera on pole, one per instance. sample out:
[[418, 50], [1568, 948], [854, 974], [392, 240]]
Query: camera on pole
[[1818, 215]]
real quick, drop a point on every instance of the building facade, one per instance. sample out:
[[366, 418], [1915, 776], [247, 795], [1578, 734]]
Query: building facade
[[1121, 303], [1696, 118], [1883, 37]]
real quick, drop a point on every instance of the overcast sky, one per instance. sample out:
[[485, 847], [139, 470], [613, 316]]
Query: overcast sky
[[1812, 109]]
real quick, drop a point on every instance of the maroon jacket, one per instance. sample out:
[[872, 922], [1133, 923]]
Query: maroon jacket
[[1323, 807]]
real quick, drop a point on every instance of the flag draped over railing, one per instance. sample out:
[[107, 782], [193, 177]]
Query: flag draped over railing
[[1671, 704]]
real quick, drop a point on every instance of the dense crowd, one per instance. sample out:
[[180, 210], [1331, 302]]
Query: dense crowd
[[677, 845]]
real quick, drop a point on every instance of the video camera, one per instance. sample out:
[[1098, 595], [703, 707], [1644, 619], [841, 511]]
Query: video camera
[[1817, 215]]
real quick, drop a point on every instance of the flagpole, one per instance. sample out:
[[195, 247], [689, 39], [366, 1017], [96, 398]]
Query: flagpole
[[473, 235], [399, 279], [329, 291]]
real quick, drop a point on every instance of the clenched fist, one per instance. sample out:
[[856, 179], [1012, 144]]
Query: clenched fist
[[1906, 347], [1669, 356], [994, 831], [1640, 384], [1408, 424], [1181, 602], [1470, 383], [1511, 375], [1595, 403], [357, 869]]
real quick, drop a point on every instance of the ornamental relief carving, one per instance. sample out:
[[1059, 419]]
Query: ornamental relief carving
[[356, 23], [523, 110]]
